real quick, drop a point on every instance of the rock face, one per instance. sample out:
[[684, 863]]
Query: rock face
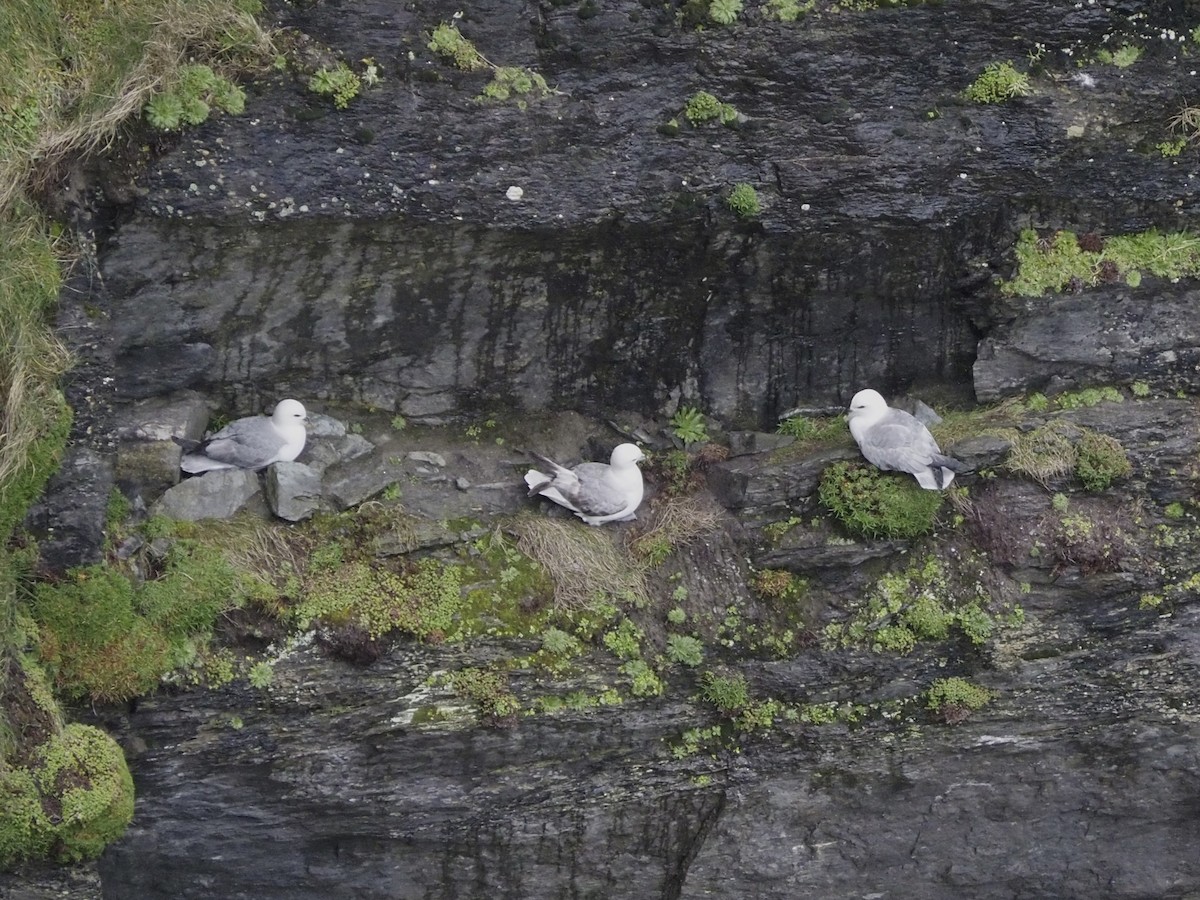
[[372, 254], [375, 256]]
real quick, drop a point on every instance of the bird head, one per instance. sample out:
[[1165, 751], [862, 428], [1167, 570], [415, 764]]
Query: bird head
[[626, 455], [287, 411], [867, 404]]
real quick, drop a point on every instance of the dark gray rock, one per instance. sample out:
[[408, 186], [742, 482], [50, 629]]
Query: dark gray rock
[[69, 521], [214, 495], [293, 490], [743, 442], [322, 452], [755, 485]]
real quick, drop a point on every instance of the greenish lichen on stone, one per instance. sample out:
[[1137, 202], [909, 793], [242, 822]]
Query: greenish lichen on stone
[[448, 42], [514, 83], [957, 692]]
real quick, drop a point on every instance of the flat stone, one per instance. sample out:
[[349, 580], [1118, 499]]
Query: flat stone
[[214, 495], [147, 468], [293, 490], [183, 415], [323, 452]]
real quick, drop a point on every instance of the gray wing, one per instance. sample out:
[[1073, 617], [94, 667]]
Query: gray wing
[[596, 495], [246, 443], [899, 442]]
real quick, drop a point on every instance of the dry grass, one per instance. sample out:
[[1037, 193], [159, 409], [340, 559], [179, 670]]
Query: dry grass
[[584, 563], [673, 524], [1045, 455]]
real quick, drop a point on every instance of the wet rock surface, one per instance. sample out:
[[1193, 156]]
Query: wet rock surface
[[373, 256]]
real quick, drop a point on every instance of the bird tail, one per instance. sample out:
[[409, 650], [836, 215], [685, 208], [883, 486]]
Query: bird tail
[[187, 445], [537, 481], [944, 468], [949, 462]]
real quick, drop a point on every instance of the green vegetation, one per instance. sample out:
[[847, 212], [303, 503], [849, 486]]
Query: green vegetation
[[1088, 397], [724, 12], [779, 584], [918, 604], [956, 698], [191, 95], [489, 692], [728, 693], [877, 505], [512, 82], [1064, 261], [814, 430], [1187, 123], [447, 42], [71, 797], [1058, 449], [104, 637], [789, 10], [1100, 460], [999, 82], [1122, 57], [688, 425], [1174, 510], [340, 82], [703, 107], [685, 649], [743, 200]]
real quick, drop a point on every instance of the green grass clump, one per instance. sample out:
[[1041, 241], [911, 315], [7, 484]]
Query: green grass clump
[[728, 693], [999, 82], [106, 638], [703, 107], [743, 200], [1044, 454], [805, 429], [447, 42], [1088, 397], [489, 692], [872, 504], [1059, 262], [1100, 460], [72, 797]]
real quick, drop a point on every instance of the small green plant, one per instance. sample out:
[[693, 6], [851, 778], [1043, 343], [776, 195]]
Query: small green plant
[[872, 504], [805, 429], [1171, 148], [1100, 460], [778, 584], [1122, 57], [340, 82], [1059, 502], [789, 10], [1088, 397], [490, 693], [643, 681], [625, 640], [1174, 510], [724, 12], [677, 616], [1140, 389], [728, 693], [956, 698], [447, 42], [743, 200], [704, 107], [261, 674], [999, 82], [559, 643], [399, 423], [1037, 402], [194, 91], [688, 425], [685, 649], [511, 82]]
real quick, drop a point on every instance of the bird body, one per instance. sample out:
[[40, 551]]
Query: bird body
[[894, 440], [249, 443], [596, 492]]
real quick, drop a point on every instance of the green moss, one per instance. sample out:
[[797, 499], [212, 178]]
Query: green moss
[[1123, 57], [957, 692], [73, 798], [743, 200], [447, 42], [872, 504], [1174, 510], [514, 83], [1100, 460], [999, 82], [703, 107], [1054, 263], [488, 691], [1087, 397], [340, 82]]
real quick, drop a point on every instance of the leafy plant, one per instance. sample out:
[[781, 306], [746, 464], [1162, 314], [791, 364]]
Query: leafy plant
[[743, 200], [1122, 57], [688, 425], [728, 693], [724, 12], [685, 649], [194, 91], [340, 82], [789, 10], [999, 82], [703, 107], [490, 693], [872, 504], [1100, 460], [447, 42], [512, 81], [956, 698]]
